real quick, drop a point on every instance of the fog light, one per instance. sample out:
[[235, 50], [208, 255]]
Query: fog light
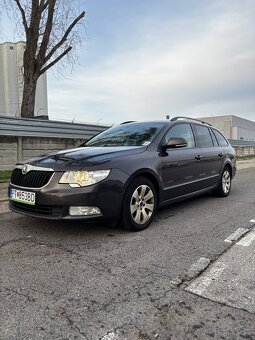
[[84, 211]]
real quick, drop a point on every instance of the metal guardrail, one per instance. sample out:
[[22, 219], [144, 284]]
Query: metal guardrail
[[240, 142], [28, 127]]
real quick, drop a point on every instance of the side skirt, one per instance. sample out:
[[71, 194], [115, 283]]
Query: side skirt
[[187, 196]]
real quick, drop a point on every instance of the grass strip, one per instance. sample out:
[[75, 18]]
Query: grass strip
[[240, 158], [5, 174]]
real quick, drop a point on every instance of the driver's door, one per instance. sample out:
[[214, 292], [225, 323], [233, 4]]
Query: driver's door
[[181, 171]]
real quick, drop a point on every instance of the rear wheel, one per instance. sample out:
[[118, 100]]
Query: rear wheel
[[224, 186], [139, 204]]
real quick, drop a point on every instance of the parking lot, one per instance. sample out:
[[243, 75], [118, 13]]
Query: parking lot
[[186, 277]]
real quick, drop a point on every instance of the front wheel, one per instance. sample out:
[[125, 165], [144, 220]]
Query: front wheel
[[224, 186], [139, 204]]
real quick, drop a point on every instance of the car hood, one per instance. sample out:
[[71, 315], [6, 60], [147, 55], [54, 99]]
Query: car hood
[[84, 157]]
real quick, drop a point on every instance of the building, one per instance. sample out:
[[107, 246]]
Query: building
[[233, 127], [11, 82]]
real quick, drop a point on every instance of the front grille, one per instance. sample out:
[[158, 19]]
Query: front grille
[[33, 179], [38, 210]]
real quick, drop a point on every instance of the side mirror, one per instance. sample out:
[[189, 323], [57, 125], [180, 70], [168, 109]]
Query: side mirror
[[175, 143]]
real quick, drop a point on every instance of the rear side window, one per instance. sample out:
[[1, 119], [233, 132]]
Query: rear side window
[[183, 131], [203, 136], [214, 138], [221, 140]]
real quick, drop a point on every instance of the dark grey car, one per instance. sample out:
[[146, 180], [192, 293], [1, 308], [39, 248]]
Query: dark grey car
[[125, 173]]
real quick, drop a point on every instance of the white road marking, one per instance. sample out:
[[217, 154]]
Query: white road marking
[[214, 273], [252, 221], [235, 235], [247, 240], [199, 265], [230, 279]]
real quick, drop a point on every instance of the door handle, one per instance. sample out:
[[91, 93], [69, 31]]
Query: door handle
[[198, 157], [220, 154]]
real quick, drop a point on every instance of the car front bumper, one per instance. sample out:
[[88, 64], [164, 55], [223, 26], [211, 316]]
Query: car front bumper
[[53, 200]]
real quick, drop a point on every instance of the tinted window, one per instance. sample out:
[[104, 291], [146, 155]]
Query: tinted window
[[127, 135], [214, 138], [221, 140], [203, 136], [183, 131]]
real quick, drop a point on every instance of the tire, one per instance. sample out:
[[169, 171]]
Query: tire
[[224, 186], [139, 204]]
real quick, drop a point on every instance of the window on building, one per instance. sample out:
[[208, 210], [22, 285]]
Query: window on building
[[11, 48]]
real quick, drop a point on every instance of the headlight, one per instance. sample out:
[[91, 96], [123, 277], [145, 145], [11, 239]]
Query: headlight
[[83, 178]]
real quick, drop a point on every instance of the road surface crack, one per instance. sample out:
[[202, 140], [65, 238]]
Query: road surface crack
[[62, 313], [27, 296]]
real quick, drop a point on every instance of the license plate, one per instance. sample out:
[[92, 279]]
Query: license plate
[[22, 196]]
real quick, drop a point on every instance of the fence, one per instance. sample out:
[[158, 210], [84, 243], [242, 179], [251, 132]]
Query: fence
[[21, 139], [243, 147]]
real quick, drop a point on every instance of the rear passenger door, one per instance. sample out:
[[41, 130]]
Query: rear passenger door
[[211, 154]]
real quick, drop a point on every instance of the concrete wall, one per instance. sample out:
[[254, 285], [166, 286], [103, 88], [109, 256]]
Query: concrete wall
[[17, 149], [8, 152]]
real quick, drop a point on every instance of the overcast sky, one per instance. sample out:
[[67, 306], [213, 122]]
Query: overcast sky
[[146, 59]]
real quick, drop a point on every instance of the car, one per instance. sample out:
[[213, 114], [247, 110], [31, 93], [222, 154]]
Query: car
[[125, 173]]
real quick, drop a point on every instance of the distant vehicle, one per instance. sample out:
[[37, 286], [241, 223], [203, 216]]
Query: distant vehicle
[[125, 173]]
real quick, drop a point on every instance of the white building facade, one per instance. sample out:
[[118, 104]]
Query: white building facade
[[11, 82], [233, 127]]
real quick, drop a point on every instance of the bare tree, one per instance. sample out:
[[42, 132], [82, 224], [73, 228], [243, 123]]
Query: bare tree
[[51, 31]]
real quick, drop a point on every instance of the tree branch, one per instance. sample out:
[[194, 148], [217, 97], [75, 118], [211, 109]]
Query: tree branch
[[64, 38], [24, 21], [55, 61], [47, 33]]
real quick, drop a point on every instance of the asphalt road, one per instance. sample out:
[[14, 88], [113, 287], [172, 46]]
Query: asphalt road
[[75, 281]]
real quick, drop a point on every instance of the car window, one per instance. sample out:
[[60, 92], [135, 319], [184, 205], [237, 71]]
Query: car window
[[137, 134], [221, 140], [181, 131], [214, 138], [203, 137]]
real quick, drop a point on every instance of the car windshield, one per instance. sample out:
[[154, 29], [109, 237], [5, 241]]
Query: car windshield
[[135, 134]]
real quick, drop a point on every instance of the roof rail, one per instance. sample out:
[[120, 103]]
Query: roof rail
[[127, 122], [193, 119]]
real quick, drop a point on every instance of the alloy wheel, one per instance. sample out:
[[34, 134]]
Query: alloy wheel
[[142, 204], [226, 181]]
